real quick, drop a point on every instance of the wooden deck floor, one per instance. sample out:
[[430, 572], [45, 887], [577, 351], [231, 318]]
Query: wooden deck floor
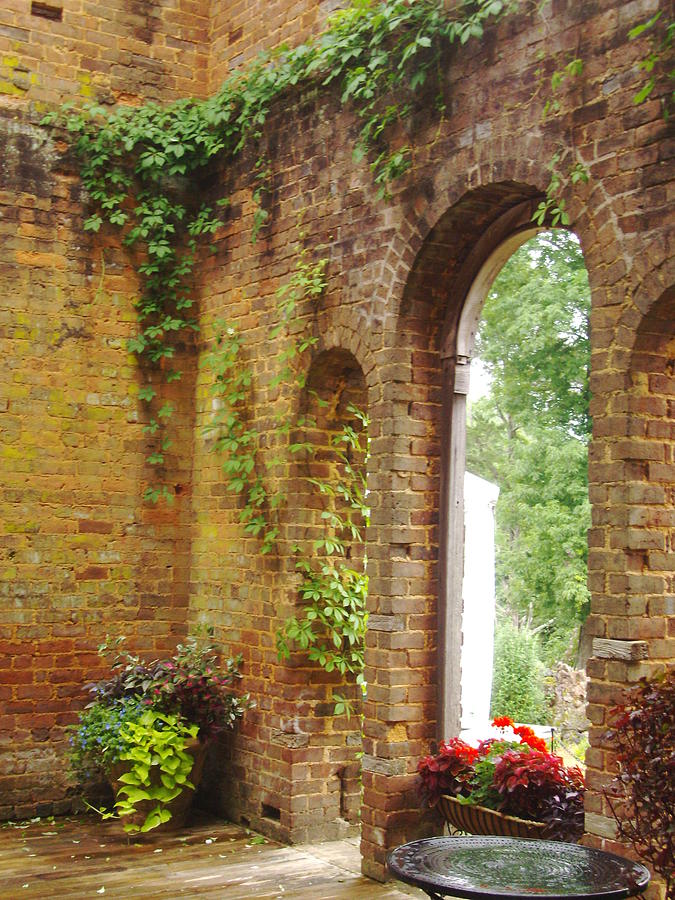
[[85, 858]]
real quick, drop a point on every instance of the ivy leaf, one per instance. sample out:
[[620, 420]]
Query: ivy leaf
[[147, 393], [93, 223], [165, 411]]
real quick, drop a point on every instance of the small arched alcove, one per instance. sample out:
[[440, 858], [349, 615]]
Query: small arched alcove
[[327, 524]]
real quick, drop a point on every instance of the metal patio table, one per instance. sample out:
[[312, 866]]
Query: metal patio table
[[515, 869]]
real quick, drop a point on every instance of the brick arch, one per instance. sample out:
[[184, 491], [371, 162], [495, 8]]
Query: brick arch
[[411, 426], [344, 333], [500, 178], [646, 302], [632, 553]]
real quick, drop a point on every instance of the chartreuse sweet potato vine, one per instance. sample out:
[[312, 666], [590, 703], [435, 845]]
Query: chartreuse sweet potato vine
[[141, 165]]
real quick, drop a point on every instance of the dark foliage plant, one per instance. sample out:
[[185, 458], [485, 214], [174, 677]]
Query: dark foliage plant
[[190, 684], [642, 795], [534, 784]]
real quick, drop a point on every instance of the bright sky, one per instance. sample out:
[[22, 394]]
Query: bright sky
[[479, 385]]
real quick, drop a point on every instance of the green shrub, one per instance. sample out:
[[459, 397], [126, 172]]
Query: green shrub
[[518, 676]]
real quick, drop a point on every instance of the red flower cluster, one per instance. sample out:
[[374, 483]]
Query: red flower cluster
[[502, 722], [524, 732]]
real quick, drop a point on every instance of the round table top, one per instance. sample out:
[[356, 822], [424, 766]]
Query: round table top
[[517, 869]]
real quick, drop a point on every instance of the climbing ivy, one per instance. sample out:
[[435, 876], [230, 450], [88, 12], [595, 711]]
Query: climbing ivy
[[141, 165], [551, 209], [240, 443], [332, 625], [234, 439], [655, 63]]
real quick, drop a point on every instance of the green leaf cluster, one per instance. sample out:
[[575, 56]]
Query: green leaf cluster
[[159, 766], [655, 63], [332, 625]]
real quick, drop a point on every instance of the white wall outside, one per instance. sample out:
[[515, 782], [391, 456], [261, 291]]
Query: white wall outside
[[478, 594]]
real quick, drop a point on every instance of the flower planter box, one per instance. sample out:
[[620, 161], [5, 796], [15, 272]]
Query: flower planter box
[[481, 820]]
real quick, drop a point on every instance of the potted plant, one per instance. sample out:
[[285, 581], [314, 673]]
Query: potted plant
[[510, 786], [147, 727], [642, 795]]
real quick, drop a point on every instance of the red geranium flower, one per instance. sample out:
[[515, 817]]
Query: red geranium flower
[[502, 722]]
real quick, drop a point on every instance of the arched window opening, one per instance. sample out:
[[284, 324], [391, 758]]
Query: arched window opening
[[525, 427]]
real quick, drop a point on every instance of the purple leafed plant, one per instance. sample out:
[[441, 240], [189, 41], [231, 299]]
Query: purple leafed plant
[[642, 794]]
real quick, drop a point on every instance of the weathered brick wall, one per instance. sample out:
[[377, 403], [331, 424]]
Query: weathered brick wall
[[240, 31], [80, 554], [398, 274], [125, 50]]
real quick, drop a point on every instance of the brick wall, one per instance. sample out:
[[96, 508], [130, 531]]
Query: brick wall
[[125, 50], [242, 30], [81, 553]]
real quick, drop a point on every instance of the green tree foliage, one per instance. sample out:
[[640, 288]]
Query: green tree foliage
[[529, 434]]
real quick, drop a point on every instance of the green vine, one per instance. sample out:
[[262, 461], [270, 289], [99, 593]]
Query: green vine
[[655, 64], [552, 209], [332, 625], [234, 438], [139, 164], [231, 381], [657, 59]]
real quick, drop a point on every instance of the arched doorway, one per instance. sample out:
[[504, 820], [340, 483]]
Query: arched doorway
[[527, 439], [461, 355]]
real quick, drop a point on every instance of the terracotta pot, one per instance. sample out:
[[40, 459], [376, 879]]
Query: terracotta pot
[[481, 820], [179, 807]]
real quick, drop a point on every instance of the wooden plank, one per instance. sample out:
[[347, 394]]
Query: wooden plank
[[614, 649]]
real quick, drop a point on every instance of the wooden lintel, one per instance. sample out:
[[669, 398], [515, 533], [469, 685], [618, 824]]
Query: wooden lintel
[[615, 649]]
